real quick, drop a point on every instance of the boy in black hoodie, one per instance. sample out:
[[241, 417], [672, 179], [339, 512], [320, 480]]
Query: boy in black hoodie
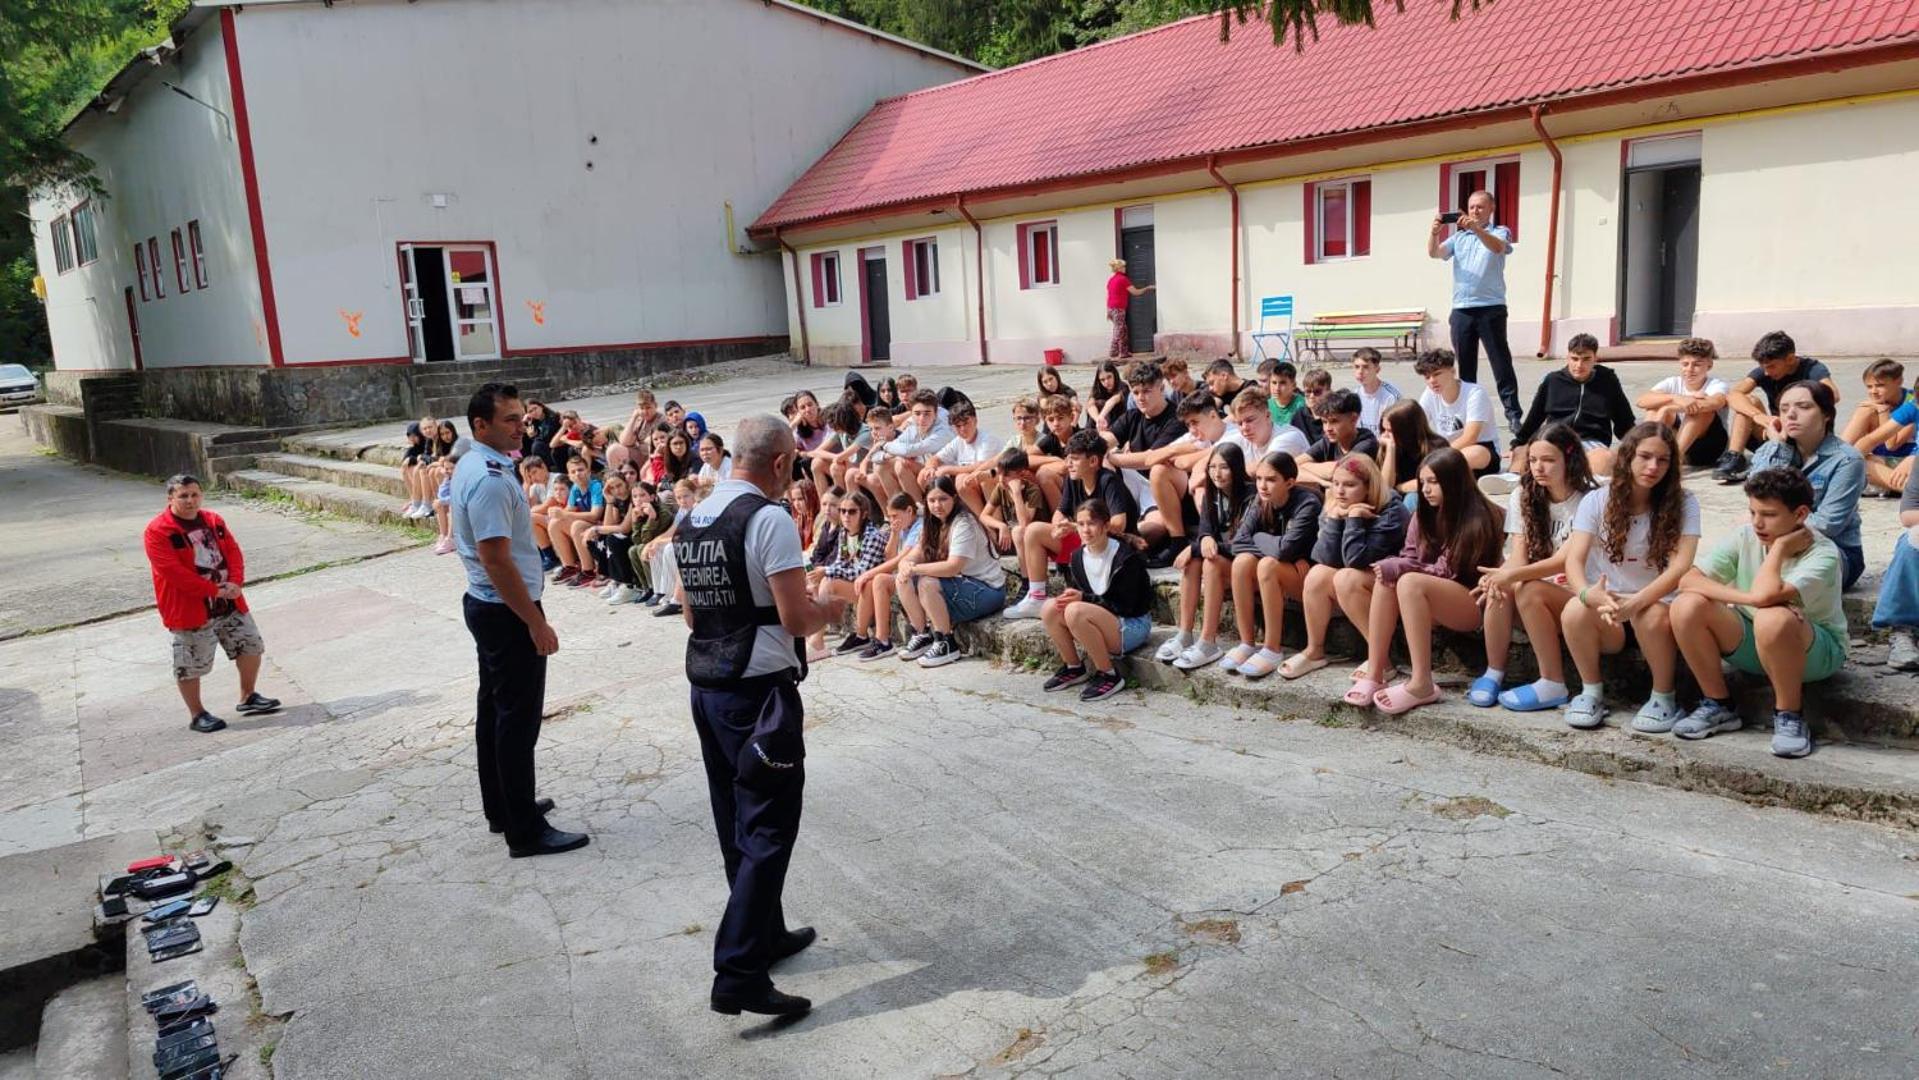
[[1585, 395]]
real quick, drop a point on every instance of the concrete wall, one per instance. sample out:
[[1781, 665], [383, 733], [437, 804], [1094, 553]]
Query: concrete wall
[[164, 161], [596, 142]]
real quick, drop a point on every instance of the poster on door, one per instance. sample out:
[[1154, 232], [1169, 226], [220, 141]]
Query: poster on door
[[473, 295]]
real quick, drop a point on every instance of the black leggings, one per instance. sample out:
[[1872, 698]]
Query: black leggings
[[610, 553]]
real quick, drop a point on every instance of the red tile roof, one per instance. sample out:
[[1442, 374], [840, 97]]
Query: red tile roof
[[1176, 92]]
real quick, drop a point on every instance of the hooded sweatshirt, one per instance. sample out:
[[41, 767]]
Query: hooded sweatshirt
[[1598, 408]]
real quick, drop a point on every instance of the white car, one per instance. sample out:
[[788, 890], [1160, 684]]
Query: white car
[[18, 386]]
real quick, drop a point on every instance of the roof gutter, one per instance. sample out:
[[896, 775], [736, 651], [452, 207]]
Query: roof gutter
[[1552, 230], [1212, 166], [799, 299], [979, 272]]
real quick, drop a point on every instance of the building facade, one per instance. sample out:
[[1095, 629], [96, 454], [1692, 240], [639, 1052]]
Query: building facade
[[1724, 173], [290, 183]]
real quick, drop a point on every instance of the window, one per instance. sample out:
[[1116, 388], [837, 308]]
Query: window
[[153, 268], [1458, 181], [826, 279], [180, 261], [922, 268], [140, 268], [199, 255], [86, 248], [62, 245], [1339, 219], [1038, 254]]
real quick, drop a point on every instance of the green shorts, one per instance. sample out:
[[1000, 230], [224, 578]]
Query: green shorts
[[1824, 657]]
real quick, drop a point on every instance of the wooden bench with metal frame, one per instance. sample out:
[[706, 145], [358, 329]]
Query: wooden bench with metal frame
[[1400, 330]]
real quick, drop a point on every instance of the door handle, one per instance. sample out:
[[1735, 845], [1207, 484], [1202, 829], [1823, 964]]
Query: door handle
[[416, 309]]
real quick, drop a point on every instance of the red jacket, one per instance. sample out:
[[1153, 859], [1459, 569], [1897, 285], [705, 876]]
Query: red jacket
[[178, 588]]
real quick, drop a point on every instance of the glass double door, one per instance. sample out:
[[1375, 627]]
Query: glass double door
[[452, 312]]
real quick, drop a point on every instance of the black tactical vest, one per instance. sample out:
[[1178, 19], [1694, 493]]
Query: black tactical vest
[[713, 578]]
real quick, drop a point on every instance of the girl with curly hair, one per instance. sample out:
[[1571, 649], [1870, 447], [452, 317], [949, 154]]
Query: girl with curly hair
[[1631, 543]]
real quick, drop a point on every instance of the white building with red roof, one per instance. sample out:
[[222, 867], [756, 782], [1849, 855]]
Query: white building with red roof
[[1718, 170]]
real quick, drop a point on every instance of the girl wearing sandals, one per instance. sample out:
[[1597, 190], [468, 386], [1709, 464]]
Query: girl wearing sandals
[[875, 587], [1364, 521], [859, 545], [1270, 553], [954, 577], [1206, 565], [1532, 581], [1631, 543], [1107, 611], [1454, 532]]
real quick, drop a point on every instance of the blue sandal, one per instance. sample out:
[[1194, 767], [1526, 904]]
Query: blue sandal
[[1526, 699], [1484, 692]]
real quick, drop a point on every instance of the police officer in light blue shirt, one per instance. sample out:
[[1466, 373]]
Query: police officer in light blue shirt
[[493, 532], [1478, 253]]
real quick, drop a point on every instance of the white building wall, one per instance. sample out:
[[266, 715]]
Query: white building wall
[[163, 161], [1071, 316], [363, 111]]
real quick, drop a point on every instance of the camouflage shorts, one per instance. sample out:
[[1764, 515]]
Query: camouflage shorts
[[193, 649]]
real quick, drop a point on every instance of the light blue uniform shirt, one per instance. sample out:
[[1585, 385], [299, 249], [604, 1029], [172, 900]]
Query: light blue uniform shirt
[[488, 503], [1479, 272]]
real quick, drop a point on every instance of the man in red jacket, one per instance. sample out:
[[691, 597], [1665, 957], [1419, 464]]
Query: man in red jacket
[[197, 574]]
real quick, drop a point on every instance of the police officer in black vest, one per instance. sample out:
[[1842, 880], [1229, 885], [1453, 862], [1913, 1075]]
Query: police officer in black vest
[[743, 577]]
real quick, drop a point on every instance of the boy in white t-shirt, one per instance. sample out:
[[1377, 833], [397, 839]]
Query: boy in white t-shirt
[[1460, 412], [970, 450], [1693, 404], [1375, 393]]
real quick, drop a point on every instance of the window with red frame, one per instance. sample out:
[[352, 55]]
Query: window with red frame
[[140, 268], [180, 261], [154, 268], [826, 279], [62, 245], [199, 254], [1339, 219], [922, 268], [1501, 178], [1038, 254]]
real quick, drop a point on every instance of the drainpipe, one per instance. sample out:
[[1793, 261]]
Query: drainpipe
[[979, 271], [1552, 231], [799, 299], [1233, 193]]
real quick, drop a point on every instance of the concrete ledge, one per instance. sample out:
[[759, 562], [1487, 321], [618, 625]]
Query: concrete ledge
[[60, 428]]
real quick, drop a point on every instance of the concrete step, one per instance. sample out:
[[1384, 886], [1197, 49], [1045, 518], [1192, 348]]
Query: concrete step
[[377, 507], [366, 475], [17, 1064], [83, 1032]]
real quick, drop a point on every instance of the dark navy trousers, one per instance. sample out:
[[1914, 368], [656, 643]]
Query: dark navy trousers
[[1476, 326], [756, 812], [507, 711]]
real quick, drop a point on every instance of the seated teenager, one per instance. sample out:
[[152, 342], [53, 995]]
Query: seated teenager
[[608, 543], [1766, 599], [859, 545], [1585, 394], [1375, 394], [1693, 404], [1135, 435], [1881, 428], [924, 435], [1255, 431], [876, 587], [1108, 396], [965, 454], [1176, 474], [1058, 419], [954, 577], [1837, 471], [870, 471], [716, 461], [1454, 532], [1363, 521], [536, 481], [583, 504], [1284, 403], [1314, 384], [1531, 583], [1222, 381], [1270, 561], [1179, 378], [1105, 612], [1050, 384], [413, 466], [1632, 541], [1014, 501], [1340, 434], [1460, 412], [1206, 564], [1897, 612], [848, 441], [651, 518], [1055, 539], [1405, 438], [663, 565], [1755, 422], [617, 500]]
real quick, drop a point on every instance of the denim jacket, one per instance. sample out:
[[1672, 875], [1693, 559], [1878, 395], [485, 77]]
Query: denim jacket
[[1838, 475]]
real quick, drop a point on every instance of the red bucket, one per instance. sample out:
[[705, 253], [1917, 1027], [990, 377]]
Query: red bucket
[[1055, 357]]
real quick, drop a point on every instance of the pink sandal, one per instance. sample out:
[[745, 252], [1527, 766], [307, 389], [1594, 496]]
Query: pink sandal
[[1398, 700], [1361, 694]]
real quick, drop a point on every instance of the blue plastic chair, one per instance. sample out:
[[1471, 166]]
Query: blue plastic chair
[[1272, 310]]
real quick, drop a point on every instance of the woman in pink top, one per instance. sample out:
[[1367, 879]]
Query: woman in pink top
[[1119, 289]]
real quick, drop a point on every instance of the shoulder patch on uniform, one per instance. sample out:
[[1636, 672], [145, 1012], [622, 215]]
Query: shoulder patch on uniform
[[493, 466]]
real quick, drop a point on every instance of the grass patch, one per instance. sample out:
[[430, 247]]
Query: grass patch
[[266, 1054], [1161, 963], [230, 887]]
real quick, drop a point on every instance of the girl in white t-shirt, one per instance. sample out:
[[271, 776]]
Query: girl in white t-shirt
[[1532, 582], [954, 577], [1631, 543]]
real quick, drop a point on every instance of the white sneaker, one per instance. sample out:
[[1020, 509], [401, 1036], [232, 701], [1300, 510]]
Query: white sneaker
[[1174, 647], [1903, 652], [1498, 485], [621, 594], [1028, 608], [611, 588], [1200, 654]]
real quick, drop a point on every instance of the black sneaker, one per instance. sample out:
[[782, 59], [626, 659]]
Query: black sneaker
[[876, 650], [1163, 556], [852, 643], [916, 646], [207, 723], [1104, 684], [1732, 468], [1067, 675], [256, 704], [945, 650]]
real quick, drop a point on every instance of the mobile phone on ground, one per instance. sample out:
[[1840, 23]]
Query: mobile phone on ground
[[202, 906]]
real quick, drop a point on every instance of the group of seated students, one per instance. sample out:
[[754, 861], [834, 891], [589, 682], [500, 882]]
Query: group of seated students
[[1405, 515]]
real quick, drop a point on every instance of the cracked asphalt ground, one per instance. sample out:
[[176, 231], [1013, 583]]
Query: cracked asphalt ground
[[1005, 882]]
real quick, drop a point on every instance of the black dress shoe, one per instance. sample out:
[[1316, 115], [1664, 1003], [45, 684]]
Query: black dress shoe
[[549, 842], [544, 806], [666, 609], [767, 1002], [793, 942]]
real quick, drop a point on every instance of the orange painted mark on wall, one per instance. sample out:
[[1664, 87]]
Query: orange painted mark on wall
[[538, 308], [352, 321]]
